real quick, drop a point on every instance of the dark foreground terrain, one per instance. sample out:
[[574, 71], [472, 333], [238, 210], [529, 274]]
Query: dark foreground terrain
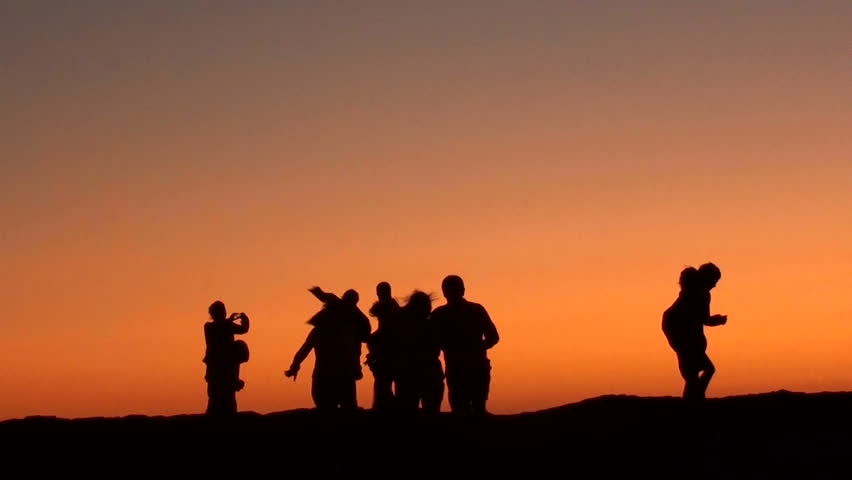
[[774, 434]]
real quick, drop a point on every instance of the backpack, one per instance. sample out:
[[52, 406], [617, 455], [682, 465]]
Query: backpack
[[241, 351]]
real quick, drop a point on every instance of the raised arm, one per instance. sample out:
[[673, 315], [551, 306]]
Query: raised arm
[[489, 330], [324, 297], [243, 326]]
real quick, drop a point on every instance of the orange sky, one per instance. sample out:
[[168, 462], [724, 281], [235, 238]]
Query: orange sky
[[567, 160]]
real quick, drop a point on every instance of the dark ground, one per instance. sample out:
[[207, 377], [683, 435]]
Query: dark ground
[[776, 434]]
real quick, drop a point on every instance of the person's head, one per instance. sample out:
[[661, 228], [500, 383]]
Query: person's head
[[710, 275], [690, 279], [350, 297], [383, 291], [217, 311], [419, 303], [453, 288]]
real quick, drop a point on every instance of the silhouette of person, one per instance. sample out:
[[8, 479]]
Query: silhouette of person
[[339, 328], [223, 357], [683, 326], [419, 375], [378, 359], [465, 334]]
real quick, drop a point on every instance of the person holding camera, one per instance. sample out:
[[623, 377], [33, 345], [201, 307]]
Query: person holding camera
[[223, 357]]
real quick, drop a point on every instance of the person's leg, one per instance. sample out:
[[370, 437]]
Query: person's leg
[[455, 391], [708, 369], [407, 393], [211, 399], [216, 401], [238, 382], [322, 395], [382, 391], [347, 394], [222, 401], [419, 393], [481, 386], [433, 394], [689, 371], [236, 385], [463, 385], [231, 399]]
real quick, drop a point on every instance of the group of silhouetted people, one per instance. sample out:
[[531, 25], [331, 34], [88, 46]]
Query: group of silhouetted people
[[404, 352]]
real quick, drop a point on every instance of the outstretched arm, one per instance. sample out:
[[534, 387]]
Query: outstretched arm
[[324, 297], [489, 330], [300, 356]]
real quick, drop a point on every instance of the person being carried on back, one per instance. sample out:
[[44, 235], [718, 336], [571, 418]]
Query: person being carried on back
[[683, 325]]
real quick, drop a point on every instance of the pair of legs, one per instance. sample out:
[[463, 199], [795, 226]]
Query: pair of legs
[[468, 387], [383, 396], [221, 399], [697, 370], [426, 388], [331, 393], [223, 383]]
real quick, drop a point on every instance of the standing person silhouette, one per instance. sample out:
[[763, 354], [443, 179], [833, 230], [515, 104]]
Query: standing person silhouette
[[683, 326], [223, 357], [418, 373], [465, 333], [338, 331], [379, 347]]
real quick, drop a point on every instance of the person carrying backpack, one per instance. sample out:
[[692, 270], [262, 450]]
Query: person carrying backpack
[[223, 357]]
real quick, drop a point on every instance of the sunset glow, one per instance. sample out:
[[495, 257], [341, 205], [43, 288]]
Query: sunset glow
[[567, 159]]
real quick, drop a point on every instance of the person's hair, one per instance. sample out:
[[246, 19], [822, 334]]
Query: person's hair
[[419, 298], [689, 278], [710, 273]]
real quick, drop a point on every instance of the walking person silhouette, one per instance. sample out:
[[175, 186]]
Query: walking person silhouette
[[338, 331], [223, 357], [465, 333], [683, 325], [418, 373], [379, 347]]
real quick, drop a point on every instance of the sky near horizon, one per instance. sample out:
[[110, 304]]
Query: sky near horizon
[[566, 158]]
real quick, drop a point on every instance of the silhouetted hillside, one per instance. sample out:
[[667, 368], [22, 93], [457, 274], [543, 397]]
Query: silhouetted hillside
[[775, 433]]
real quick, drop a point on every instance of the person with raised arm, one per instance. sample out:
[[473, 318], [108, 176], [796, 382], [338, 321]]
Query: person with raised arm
[[223, 357]]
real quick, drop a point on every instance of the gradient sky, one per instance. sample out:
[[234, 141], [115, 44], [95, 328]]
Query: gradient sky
[[567, 159]]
